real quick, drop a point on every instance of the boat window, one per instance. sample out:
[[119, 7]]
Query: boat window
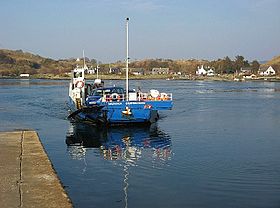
[[97, 92], [77, 74], [118, 90], [107, 91]]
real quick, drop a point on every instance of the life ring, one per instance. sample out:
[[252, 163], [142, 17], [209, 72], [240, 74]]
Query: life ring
[[115, 96], [163, 96], [80, 84]]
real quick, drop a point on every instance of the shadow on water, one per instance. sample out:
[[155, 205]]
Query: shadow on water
[[117, 143]]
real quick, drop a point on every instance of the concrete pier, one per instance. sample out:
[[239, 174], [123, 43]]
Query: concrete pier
[[27, 178]]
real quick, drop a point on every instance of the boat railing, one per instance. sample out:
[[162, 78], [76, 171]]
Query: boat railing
[[141, 96], [160, 97], [114, 97]]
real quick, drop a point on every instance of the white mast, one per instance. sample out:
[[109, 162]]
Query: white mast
[[84, 58], [97, 67], [127, 58]]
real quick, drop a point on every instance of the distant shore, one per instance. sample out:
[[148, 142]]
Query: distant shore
[[150, 77]]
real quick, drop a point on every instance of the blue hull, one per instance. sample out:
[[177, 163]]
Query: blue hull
[[112, 112]]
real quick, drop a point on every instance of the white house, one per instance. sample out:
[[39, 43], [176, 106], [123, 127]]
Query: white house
[[160, 70], [24, 75], [246, 71], [137, 71], [251, 76], [91, 71], [210, 72], [115, 70], [264, 71], [201, 71]]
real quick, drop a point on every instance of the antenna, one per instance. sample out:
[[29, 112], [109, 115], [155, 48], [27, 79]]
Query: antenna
[[127, 59]]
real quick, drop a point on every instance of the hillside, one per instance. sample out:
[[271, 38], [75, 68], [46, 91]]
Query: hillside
[[275, 63], [185, 66], [13, 63]]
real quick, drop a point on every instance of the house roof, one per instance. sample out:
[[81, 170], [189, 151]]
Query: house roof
[[159, 68], [136, 69], [264, 68], [246, 69]]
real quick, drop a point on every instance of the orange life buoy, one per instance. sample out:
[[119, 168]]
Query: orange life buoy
[[80, 84], [114, 97]]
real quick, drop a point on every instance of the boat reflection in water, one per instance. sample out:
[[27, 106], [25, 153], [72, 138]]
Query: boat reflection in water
[[119, 143], [124, 144]]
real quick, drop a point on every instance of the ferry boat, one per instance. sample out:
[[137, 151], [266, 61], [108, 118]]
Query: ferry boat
[[114, 105]]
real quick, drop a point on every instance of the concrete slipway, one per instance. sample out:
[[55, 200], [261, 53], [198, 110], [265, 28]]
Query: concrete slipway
[[27, 178]]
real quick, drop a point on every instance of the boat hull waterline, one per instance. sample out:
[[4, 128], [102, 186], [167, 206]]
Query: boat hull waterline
[[112, 113]]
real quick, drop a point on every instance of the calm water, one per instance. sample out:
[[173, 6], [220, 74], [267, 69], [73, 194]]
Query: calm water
[[218, 147]]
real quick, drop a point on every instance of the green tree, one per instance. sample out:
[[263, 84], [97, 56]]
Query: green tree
[[240, 62], [255, 66], [224, 65], [228, 66], [93, 61]]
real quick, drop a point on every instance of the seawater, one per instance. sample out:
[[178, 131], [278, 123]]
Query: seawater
[[218, 147]]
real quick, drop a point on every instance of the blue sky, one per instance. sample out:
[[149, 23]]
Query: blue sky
[[176, 29]]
